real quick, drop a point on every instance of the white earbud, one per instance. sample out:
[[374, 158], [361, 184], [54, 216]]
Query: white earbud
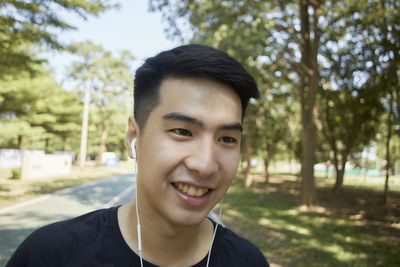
[[133, 148]]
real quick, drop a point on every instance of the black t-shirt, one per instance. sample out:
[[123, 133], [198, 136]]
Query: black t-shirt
[[94, 239]]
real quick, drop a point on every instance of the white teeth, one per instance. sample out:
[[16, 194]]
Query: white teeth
[[191, 190], [199, 192]]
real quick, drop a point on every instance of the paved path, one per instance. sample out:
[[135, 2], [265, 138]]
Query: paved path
[[18, 221]]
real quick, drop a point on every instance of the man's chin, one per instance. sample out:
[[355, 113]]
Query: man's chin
[[190, 220]]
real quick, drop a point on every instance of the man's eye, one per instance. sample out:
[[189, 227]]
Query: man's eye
[[228, 140], [180, 131]]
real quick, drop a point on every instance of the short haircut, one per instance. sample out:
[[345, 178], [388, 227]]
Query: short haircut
[[189, 61]]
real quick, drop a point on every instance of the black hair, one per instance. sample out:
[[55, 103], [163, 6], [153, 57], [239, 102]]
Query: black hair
[[188, 61]]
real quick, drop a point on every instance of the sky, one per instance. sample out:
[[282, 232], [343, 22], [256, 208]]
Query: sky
[[131, 27]]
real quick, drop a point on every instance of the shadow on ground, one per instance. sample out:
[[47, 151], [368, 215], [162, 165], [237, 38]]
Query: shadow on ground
[[351, 229]]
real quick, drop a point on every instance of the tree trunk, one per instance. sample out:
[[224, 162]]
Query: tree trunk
[[46, 141], [85, 122], [338, 187], [20, 139], [270, 154], [103, 139], [366, 165], [387, 167], [386, 188], [64, 143], [248, 149], [266, 171], [340, 167], [327, 165], [292, 155], [308, 195], [308, 91]]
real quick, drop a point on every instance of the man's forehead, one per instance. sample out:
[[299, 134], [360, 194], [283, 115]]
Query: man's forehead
[[179, 81], [194, 94]]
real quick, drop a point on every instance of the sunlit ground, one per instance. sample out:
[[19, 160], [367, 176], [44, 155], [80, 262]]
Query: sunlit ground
[[351, 229], [16, 190]]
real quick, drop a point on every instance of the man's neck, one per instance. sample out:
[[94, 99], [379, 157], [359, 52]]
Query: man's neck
[[164, 244]]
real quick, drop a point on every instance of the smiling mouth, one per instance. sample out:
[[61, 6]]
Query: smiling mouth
[[190, 190]]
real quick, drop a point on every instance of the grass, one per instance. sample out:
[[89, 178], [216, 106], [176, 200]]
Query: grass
[[359, 181], [352, 229], [16, 190]]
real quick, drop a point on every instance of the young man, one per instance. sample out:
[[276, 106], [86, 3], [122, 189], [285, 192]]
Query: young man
[[189, 106]]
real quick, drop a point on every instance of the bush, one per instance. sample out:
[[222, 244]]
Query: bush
[[16, 173]]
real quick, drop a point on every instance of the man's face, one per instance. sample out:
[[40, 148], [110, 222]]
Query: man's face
[[189, 150]]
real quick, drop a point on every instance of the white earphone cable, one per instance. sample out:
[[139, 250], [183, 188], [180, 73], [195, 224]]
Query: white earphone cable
[[215, 230], [139, 234]]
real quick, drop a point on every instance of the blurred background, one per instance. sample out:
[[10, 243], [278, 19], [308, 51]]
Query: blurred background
[[319, 179]]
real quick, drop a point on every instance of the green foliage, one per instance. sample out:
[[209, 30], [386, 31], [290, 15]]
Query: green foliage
[[16, 173], [117, 130], [356, 71], [27, 24], [110, 82], [272, 137], [348, 122], [35, 112], [33, 106]]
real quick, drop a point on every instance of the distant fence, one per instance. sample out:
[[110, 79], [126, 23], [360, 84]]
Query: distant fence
[[295, 167], [41, 166], [353, 171], [12, 158]]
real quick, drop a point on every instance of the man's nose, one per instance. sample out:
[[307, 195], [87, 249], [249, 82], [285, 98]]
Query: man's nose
[[202, 160]]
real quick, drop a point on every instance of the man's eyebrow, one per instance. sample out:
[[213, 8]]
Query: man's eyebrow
[[181, 117], [233, 126]]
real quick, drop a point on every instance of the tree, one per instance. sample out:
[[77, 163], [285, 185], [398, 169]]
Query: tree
[[248, 145], [109, 80], [117, 130], [360, 69], [66, 109], [348, 123], [30, 104], [310, 34], [30, 24], [387, 28], [271, 132], [388, 160], [11, 129]]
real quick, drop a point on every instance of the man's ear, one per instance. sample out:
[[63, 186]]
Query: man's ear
[[131, 134]]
